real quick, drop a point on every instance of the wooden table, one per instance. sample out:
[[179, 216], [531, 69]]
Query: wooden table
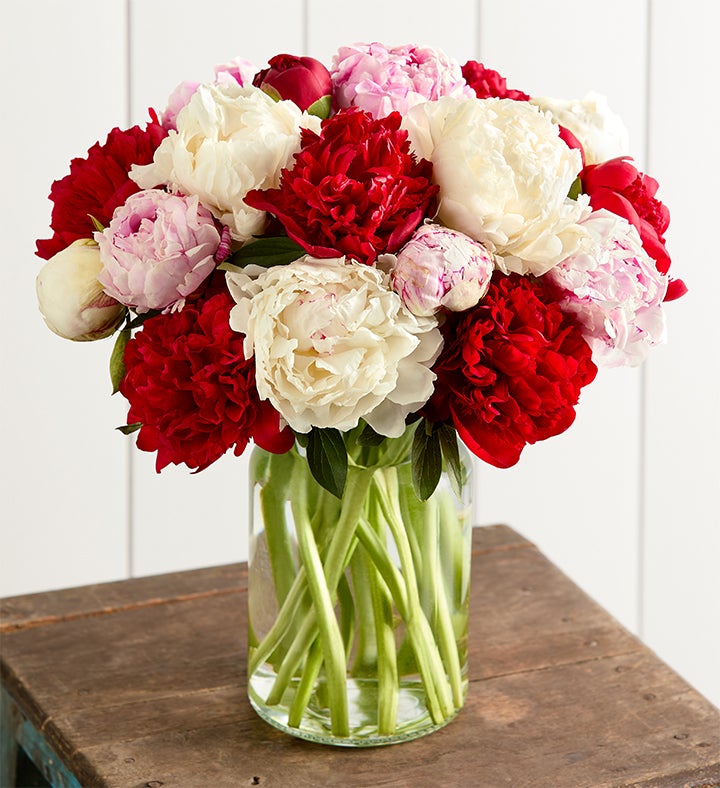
[[142, 683]]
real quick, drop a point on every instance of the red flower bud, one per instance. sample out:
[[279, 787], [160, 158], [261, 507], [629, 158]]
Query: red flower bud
[[303, 80]]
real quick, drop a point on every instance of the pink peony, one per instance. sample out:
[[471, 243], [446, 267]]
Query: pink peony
[[158, 249], [438, 268], [379, 79], [614, 291]]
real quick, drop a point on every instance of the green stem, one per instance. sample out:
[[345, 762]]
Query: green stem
[[338, 555], [387, 671], [428, 548], [333, 650], [366, 656], [378, 553], [437, 689], [434, 595], [347, 614], [307, 684], [273, 495], [283, 623]]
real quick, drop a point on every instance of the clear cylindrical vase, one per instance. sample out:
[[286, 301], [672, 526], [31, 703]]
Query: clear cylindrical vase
[[358, 606]]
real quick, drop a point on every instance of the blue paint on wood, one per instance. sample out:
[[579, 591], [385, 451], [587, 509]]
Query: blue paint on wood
[[9, 723], [20, 732]]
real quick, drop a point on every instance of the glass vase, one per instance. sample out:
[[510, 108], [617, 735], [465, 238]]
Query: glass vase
[[358, 606]]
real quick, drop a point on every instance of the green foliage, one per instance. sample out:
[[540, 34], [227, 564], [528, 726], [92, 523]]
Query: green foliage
[[267, 252], [321, 108], [575, 189], [451, 455], [328, 460], [117, 361], [426, 460], [128, 429]]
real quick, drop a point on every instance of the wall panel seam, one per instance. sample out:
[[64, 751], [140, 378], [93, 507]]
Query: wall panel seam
[[129, 502], [642, 480]]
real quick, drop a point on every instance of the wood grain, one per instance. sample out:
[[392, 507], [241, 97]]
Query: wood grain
[[142, 683]]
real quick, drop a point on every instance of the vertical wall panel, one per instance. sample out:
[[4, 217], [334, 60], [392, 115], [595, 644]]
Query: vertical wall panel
[[183, 520], [682, 592], [577, 495], [63, 469]]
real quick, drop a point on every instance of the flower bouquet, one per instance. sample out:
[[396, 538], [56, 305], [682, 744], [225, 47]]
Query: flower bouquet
[[352, 268]]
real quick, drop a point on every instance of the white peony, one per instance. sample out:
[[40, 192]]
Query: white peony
[[504, 176], [229, 139], [334, 344], [599, 130]]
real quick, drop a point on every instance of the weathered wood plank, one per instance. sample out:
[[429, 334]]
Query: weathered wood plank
[[35, 609], [152, 691]]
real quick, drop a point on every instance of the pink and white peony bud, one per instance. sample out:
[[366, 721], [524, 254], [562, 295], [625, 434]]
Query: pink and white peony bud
[[176, 101], [438, 268], [158, 249], [237, 70], [70, 297]]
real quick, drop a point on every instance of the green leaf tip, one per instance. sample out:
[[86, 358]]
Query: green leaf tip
[[321, 108], [128, 429]]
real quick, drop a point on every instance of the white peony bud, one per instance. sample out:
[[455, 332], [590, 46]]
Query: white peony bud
[[71, 299], [599, 130]]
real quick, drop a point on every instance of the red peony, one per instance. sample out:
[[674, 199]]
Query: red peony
[[488, 83], [355, 190], [97, 184], [619, 187], [511, 370], [192, 389]]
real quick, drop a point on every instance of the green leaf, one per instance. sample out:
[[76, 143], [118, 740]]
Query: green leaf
[[368, 437], [328, 460], [96, 223], [451, 455], [302, 438], [426, 460], [575, 189], [321, 108], [268, 252], [128, 429], [138, 320], [117, 360]]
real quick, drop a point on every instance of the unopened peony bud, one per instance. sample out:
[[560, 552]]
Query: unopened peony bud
[[600, 131], [438, 268], [176, 101], [70, 297], [302, 80]]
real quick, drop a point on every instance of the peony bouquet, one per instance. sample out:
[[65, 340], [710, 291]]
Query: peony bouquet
[[356, 266]]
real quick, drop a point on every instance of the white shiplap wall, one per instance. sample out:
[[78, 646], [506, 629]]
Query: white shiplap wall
[[624, 502]]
